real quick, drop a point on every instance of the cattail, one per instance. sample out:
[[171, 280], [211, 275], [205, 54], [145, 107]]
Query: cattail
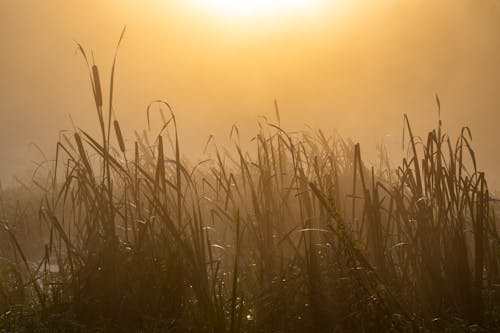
[[97, 86], [81, 150], [119, 135]]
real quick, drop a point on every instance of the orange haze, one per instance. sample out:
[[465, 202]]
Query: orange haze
[[351, 65]]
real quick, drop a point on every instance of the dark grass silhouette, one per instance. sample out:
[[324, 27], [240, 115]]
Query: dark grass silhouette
[[298, 236]]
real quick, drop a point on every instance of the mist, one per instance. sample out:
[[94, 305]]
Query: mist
[[354, 68]]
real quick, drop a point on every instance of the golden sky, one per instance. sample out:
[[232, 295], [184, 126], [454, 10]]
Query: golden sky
[[351, 65]]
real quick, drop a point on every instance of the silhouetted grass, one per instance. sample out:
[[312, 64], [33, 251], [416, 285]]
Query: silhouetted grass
[[299, 236]]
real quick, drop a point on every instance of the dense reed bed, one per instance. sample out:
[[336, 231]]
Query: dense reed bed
[[298, 235]]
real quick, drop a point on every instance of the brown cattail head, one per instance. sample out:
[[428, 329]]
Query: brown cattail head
[[82, 153], [119, 136], [97, 86]]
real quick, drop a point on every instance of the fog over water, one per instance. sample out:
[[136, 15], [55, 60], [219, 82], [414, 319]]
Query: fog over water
[[352, 66]]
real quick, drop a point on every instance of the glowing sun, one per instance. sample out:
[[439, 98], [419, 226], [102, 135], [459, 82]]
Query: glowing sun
[[254, 8]]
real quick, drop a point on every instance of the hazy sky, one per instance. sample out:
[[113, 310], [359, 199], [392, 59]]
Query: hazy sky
[[351, 65]]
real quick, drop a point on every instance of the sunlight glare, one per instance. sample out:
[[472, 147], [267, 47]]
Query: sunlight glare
[[253, 8]]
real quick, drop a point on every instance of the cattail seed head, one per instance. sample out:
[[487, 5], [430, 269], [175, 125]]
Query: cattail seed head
[[82, 153], [119, 136], [97, 86]]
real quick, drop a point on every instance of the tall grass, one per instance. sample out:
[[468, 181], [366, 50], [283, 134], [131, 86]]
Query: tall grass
[[298, 236]]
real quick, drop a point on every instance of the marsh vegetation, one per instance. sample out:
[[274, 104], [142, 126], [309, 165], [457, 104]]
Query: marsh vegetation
[[297, 234]]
